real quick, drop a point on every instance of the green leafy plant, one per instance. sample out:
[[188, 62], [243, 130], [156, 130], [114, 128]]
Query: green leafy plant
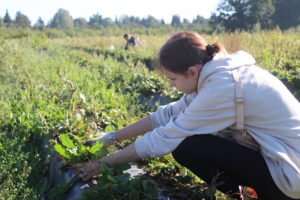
[[114, 184], [73, 154], [53, 87], [58, 191]]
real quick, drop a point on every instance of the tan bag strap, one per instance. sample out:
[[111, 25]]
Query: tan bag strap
[[239, 99]]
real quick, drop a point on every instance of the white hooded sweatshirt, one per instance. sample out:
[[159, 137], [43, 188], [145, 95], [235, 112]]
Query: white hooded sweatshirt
[[271, 116]]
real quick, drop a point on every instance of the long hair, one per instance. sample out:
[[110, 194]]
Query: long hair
[[185, 49]]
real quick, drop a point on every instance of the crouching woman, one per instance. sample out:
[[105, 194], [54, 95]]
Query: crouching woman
[[236, 122]]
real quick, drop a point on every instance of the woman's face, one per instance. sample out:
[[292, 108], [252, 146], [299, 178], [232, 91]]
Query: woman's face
[[186, 83]]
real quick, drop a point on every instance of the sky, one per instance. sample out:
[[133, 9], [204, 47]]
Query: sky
[[160, 9]]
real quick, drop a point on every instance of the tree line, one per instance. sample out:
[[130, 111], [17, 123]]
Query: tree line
[[256, 14], [230, 15], [63, 20]]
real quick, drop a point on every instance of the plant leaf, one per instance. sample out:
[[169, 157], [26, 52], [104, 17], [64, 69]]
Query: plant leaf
[[123, 178], [66, 141], [149, 187], [96, 147], [109, 128], [61, 150], [112, 179], [63, 188], [82, 97], [101, 153], [118, 169], [134, 195]]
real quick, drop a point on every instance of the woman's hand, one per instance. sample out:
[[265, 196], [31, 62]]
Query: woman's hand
[[88, 170], [138, 128], [106, 138]]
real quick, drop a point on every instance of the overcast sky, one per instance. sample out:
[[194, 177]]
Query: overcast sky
[[160, 9]]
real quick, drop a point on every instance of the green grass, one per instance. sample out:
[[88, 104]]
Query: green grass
[[75, 85]]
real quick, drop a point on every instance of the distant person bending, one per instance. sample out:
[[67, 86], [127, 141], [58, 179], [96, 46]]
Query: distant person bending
[[130, 41]]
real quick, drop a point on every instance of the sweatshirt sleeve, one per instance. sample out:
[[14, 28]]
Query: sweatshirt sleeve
[[164, 113], [212, 110]]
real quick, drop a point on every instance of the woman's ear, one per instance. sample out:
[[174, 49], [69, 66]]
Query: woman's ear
[[194, 71]]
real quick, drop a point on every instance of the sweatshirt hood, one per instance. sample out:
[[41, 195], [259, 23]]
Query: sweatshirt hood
[[225, 62]]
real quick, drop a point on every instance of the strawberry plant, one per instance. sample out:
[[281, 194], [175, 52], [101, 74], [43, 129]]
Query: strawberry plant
[[74, 152], [114, 184], [58, 191]]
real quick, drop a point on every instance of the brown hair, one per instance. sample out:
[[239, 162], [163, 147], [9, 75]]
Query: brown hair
[[185, 49]]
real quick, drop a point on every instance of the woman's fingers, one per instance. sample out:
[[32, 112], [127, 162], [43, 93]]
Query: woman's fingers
[[83, 173], [88, 170], [79, 165], [79, 168], [86, 176]]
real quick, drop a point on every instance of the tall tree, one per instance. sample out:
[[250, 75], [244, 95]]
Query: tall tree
[[1, 22], [62, 20], [185, 21], [95, 20], [234, 14], [150, 21], [176, 21], [199, 20], [107, 22], [134, 21], [244, 14], [22, 20], [261, 12], [287, 13], [129, 21], [80, 23], [40, 25], [7, 20]]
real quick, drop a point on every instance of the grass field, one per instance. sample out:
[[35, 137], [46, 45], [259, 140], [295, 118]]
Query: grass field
[[77, 85]]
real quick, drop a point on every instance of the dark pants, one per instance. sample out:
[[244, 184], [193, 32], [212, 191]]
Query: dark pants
[[211, 157]]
